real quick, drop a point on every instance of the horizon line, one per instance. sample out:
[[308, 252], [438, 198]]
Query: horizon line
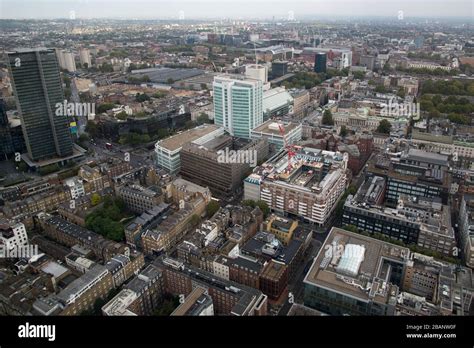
[[280, 19]]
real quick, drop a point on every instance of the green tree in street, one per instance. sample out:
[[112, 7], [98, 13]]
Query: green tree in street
[[261, 204], [343, 131], [211, 208], [327, 118], [203, 118], [95, 199], [384, 127]]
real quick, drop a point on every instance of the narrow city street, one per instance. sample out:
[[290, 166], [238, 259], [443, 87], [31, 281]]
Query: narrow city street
[[296, 285]]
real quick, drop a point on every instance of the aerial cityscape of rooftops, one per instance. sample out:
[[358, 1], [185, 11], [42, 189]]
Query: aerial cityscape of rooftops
[[179, 158]]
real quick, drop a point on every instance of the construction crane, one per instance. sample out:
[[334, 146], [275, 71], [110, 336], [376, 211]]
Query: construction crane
[[290, 148]]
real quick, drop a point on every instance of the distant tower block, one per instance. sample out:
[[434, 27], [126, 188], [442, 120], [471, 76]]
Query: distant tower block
[[257, 71]]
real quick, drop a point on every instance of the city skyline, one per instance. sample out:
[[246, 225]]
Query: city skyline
[[261, 158], [261, 9]]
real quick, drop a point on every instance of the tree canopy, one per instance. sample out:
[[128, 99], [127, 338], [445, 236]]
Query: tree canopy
[[261, 204], [211, 208], [133, 138], [343, 132], [203, 118], [327, 118], [384, 127], [95, 199], [142, 97], [106, 219], [450, 87]]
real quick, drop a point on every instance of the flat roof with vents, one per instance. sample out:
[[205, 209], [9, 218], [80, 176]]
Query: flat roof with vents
[[351, 259], [349, 263]]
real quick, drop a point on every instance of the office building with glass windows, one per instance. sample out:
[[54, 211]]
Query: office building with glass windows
[[414, 172], [320, 61], [168, 151], [238, 104], [416, 220], [37, 86], [359, 275]]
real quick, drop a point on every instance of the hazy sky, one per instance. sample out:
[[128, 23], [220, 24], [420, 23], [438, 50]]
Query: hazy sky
[[195, 9]]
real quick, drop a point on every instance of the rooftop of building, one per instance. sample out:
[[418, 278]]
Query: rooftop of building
[[246, 295], [116, 263], [82, 261], [426, 157], [429, 213], [194, 303], [206, 78], [275, 98], [174, 142], [272, 127], [353, 264], [47, 306], [237, 79], [433, 137], [147, 275], [77, 152], [82, 283], [243, 262], [384, 165], [188, 186], [22, 290], [6, 230], [455, 282], [275, 49], [371, 190], [267, 245], [170, 222], [148, 217], [118, 306], [55, 269], [281, 223], [296, 93], [82, 206], [210, 148], [273, 270], [76, 231], [216, 143], [310, 169], [162, 74], [469, 199], [408, 303], [140, 190]]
